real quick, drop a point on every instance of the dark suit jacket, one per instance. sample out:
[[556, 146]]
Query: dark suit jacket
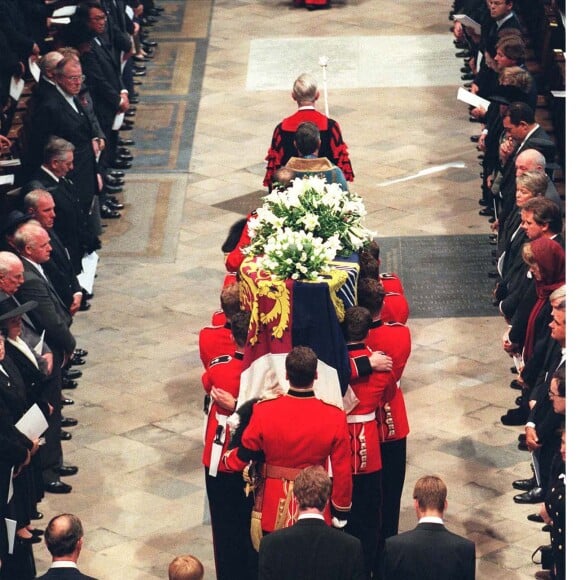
[[429, 552], [65, 574], [103, 73], [51, 314], [60, 271], [53, 115], [310, 550], [69, 222]]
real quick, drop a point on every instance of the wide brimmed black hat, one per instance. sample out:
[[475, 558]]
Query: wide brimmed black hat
[[9, 308]]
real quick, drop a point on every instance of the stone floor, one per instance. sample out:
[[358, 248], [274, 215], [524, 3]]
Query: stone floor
[[140, 490]]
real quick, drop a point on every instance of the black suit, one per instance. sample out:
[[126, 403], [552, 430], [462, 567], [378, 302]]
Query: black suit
[[65, 574], [430, 551], [310, 550], [53, 115], [60, 271], [69, 222]]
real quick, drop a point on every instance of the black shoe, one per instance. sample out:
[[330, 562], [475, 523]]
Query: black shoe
[[473, 119], [130, 113], [85, 306], [486, 211], [519, 400], [57, 487], [137, 82], [482, 201], [149, 43], [515, 384], [535, 495], [463, 54], [121, 164], [67, 401], [65, 435], [68, 422], [67, 470], [81, 351], [468, 86], [524, 484], [535, 518], [67, 384], [139, 73], [522, 437], [37, 516], [126, 127], [546, 528], [37, 532], [493, 274], [491, 220], [514, 417], [77, 360], [110, 189], [522, 446], [126, 142], [109, 214], [124, 157], [116, 173], [114, 181], [467, 77], [114, 204], [474, 138], [72, 374]]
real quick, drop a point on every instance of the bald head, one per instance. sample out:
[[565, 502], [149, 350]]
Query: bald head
[[32, 242], [48, 63], [530, 160], [63, 537], [11, 273]]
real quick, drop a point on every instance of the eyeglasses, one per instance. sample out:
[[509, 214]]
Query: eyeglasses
[[75, 78]]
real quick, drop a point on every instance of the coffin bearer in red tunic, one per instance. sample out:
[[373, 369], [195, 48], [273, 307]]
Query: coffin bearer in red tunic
[[229, 507], [291, 432], [365, 519], [216, 340], [305, 93]]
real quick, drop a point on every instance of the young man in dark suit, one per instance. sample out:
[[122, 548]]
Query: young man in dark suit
[[430, 550], [311, 549], [64, 540]]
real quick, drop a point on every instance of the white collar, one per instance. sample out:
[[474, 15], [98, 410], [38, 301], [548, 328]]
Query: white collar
[[431, 520], [311, 517], [64, 564]]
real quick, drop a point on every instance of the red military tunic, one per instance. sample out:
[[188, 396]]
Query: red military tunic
[[362, 425], [295, 431], [391, 282], [215, 341], [332, 145], [394, 339], [224, 373], [395, 308]]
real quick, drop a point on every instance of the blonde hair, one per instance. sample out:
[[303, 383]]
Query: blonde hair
[[185, 567]]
